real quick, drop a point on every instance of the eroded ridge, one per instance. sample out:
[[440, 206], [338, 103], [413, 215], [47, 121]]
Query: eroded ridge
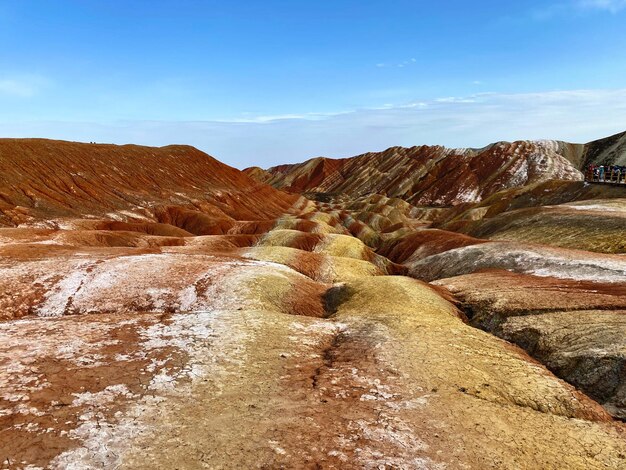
[[216, 322]]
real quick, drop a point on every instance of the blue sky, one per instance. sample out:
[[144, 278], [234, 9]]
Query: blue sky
[[266, 82]]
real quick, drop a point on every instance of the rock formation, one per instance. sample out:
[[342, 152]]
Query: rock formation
[[428, 176], [415, 308], [608, 151]]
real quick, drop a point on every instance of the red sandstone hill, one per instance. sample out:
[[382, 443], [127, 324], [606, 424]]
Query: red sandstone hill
[[439, 176], [46, 179], [430, 176], [152, 297]]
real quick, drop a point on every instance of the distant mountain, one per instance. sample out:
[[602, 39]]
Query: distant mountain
[[430, 176], [608, 151], [438, 176]]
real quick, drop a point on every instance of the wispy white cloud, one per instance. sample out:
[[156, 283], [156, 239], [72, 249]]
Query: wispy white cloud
[[466, 121], [578, 7], [609, 5], [456, 99], [282, 117], [22, 86], [402, 64]]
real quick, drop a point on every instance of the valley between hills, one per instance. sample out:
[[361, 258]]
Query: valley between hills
[[416, 308]]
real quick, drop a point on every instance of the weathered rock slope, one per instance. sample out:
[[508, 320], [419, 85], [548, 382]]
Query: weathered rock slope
[[608, 151], [159, 309], [576, 328], [428, 176], [43, 179]]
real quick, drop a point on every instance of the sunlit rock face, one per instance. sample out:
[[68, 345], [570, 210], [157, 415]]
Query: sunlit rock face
[[594, 225], [429, 176], [41, 180], [577, 328], [415, 308]]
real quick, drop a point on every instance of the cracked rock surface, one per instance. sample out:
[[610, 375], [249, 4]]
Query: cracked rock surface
[[164, 311]]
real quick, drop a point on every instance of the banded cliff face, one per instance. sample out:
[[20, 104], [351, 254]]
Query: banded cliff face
[[152, 297], [430, 176]]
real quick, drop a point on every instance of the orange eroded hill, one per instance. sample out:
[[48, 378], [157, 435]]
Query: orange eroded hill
[[161, 309]]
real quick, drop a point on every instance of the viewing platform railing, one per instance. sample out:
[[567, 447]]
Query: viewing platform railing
[[608, 177]]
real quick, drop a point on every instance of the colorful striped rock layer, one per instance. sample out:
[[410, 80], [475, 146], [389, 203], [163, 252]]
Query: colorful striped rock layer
[[418, 308]]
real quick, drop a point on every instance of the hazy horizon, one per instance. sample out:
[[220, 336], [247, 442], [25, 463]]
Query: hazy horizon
[[277, 82]]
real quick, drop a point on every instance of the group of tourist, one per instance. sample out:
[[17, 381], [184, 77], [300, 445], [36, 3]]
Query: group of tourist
[[606, 173]]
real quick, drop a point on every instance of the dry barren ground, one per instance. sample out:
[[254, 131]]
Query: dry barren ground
[[186, 316]]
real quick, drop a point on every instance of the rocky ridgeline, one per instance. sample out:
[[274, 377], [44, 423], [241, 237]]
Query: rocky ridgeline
[[415, 308], [429, 176]]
